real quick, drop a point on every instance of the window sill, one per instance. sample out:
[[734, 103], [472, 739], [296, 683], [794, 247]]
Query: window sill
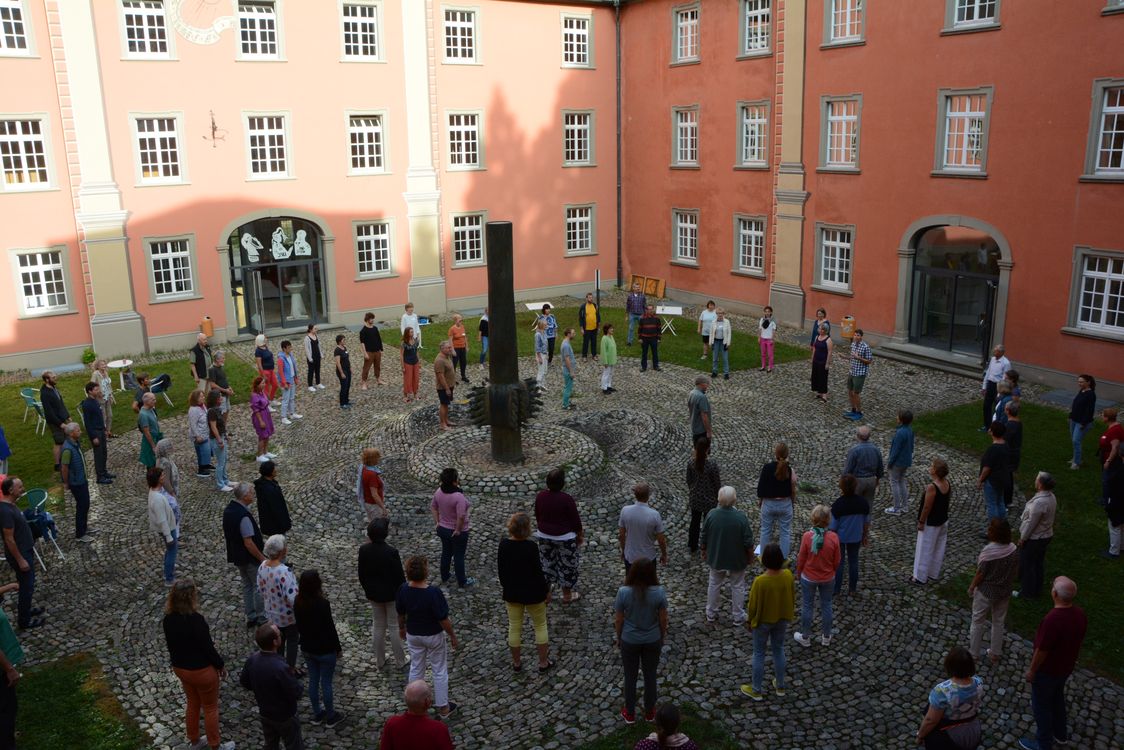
[[843, 43], [833, 290], [686, 264], [839, 170], [576, 66], [688, 167], [954, 30], [581, 255], [270, 178], [178, 298], [459, 168], [260, 59], [376, 276], [20, 191], [747, 273], [578, 164], [363, 60], [473, 264], [755, 54], [1088, 333], [1112, 10], [751, 167], [683, 63], [141, 58], [160, 184], [381, 173], [961, 175], [18, 55], [1101, 178], [47, 314], [467, 63]]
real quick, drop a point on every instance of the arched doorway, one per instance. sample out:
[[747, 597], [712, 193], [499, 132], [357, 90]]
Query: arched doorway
[[277, 274]]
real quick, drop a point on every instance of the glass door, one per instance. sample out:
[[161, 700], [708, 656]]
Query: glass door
[[297, 295], [971, 316], [932, 309], [246, 290]]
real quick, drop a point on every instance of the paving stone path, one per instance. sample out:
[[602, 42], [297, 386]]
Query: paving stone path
[[866, 690]]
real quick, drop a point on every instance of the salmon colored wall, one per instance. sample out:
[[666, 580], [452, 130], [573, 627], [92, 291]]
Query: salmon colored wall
[[522, 89], [39, 219], [1037, 139]]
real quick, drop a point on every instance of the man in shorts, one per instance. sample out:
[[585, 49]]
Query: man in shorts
[[446, 378], [54, 411], [861, 357]]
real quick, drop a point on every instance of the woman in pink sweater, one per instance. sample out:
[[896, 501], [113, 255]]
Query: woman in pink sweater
[[815, 567]]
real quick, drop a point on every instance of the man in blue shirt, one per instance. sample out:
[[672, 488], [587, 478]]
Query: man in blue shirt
[[634, 306], [901, 458]]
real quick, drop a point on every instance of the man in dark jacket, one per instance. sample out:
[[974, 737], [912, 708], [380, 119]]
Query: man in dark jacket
[[273, 511], [650, 335], [200, 362], [54, 411], [380, 573], [94, 419], [243, 548], [276, 690]]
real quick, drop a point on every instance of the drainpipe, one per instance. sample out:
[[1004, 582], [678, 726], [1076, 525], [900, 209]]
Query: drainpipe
[[620, 259]]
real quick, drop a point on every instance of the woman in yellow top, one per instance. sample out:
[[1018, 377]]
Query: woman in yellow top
[[459, 340], [770, 610], [608, 358]]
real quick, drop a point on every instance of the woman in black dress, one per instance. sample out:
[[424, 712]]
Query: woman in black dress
[[821, 360]]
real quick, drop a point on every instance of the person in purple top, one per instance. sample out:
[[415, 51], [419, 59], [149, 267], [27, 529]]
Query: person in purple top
[[450, 514], [634, 306], [559, 534], [850, 519]]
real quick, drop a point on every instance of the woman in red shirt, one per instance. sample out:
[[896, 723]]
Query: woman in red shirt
[[372, 497], [815, 567]]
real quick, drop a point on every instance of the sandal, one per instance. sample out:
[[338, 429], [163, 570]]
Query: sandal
[[573, 598], [543, 669]]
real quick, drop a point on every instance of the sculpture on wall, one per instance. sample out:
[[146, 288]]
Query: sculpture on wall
[[251, 245]]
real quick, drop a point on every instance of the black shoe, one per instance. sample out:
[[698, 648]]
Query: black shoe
[[37, 611], [35, 622], [110, 475], [333, 719], [251, 623], [105, 480], [726, 376], [714, 374], [656, 369], [1109, 556]]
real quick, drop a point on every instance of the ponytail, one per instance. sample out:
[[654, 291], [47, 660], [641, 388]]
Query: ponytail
[[783, 471], [667, 723]]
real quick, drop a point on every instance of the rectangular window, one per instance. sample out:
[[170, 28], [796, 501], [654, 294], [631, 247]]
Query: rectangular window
[[577, 138], [257, 24], [372, 246], [976, 12], [1110, 139], [158, 149], [268, 147], [686, 34], [23, 153], [146, 33], [464, 141], [753, 134], [171, 268], [841, 138], [686, 231], [13, 28], [42, 280], [845, 22], [835, 258], [360, 32], [576, 38], [579, 230], [365, 133], [750, 241], [460, 36], [1101, 305], [468, 239], [962, 128], [756, 22], [687, 137]]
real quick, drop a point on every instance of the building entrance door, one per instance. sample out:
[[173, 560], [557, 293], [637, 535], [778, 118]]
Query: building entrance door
[[277, 275]]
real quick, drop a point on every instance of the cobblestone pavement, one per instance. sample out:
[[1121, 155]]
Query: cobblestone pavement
[[865, 690]]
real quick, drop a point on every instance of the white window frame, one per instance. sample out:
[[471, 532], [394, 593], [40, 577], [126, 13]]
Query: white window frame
[[941, 166], [755, 15], [749, 227], [829, 120], [149, 14], [685, 236], [48, 156], [854, 32], [453, 238], [286, 131], [1093, 171], [953, 24], [587, 19], [1077, 294], [376, 7], [359, 239], [278, 53], [186, 253], [746, 112], [23, 312], [830, 236], [589, 128], [572, 220], [1113, 6], [8, 10], [449, 130], [384, 143], [473, 36], [176, 132], [684, 133], [686, 24]]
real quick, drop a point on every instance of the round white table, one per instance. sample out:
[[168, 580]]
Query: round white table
[[120, 364]]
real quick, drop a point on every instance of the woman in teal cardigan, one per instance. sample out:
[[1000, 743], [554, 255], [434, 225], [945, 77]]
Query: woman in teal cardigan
[[608, 358]]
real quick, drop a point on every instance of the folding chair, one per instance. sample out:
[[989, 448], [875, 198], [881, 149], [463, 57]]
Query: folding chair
[[159, 387], [36, 515]]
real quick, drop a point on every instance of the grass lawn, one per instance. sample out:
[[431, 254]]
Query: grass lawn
[[1080, 527], [31, 456], [704, 733], [67, 704]]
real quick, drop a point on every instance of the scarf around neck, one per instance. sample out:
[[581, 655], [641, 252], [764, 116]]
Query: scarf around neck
[[995, 551], [817, 539]]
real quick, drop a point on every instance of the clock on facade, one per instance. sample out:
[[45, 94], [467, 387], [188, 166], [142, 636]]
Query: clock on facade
[[200, 21]]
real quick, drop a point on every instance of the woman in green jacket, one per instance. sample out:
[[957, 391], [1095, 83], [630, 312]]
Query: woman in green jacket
[[608, 357]]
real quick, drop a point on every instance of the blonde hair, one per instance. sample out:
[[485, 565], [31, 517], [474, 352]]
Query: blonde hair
[[259, 340], [821, 516], [519, 525], [371, 456]]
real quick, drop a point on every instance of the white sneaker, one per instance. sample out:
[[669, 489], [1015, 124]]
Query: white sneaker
[[312, 389], [231, 484], [320, 386], [227, 745], [262, 459], [802, 639], [200, 744], [294, 415], [825, 640], [892, 511], [286, 420], [272, 410], [228, 488], [275, 402], [270, 455]]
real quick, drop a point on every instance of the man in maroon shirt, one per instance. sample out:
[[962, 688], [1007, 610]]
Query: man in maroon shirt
[[1056, 646], [414, 729]]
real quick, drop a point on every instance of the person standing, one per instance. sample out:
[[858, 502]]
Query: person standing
[[821, 358], [861, 357], [1081, 415], [990, 589], [216, 426], [996, 368], [219, 382], [706, 324], [243, 549], [312, 357], [525, 590], [267, 368], [850, 519], [343, 370], [569, 368], [698, 406], [560, 534], [727, 548], [19, 550], [93, 416], [770, 611], [1014, 439], [650, 335], [411, 366], [199, 433], [995, 473], [542, 356], [287, 370], [819, 324], [932, 525], [54, 411], [589, 320], [721, 336], [640, 622], [423, 622], [551, 330], [482, 337], [901, 458], [446, 379], [1036, 530], [273, 511], [411, 321], [816, 564], [608, 357], [414, 729], [371, 339], [72, 465], [952, 718], [200, 362], [459, 339], [450, 508], [320, 644], [776, 498], [703, 483], [864, 463], [381, 575], [1109, 452], [370, 488], [162, 521], [149, 427], [276, 690], [1056, 647], [767, 329], [100, 375], [1002, 398], [640, 530], [262, 418], [634, 305]]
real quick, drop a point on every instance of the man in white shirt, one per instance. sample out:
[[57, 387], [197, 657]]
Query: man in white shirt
[[997, 367]]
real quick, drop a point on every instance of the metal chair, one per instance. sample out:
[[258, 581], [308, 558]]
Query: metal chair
[[159, 387], [35, 513], [78, 412]]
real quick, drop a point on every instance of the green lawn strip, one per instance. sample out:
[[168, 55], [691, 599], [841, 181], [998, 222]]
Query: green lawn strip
[[67, 704], [704, 732], [31, 456], [1080, 527]]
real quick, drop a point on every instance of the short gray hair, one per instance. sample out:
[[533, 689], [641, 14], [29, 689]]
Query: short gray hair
[[1002, 349], [146, 397], [1012, 408], [219, 354], [727, 496], [702, 380], [274, 546], [71, 428], [1046, 479], [863, 433], [241, 490], [1065, 589]]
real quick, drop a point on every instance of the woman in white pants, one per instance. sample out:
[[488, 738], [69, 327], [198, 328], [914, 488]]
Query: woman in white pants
[[423, 621], [542, 358], [990, 589], [932, 525]]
